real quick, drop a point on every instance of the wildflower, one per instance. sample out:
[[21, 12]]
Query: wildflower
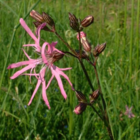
[[128, 112], [47, 58]]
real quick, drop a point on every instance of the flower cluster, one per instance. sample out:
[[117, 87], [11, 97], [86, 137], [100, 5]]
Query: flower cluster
[[48, 54]]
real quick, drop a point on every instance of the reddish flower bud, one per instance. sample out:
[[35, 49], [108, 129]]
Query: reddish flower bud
[[80, 108], [48, 20], [94, 96], [35, 15], [73, 22], [84, 42], [81, 97], [87, 21], [99, 49]]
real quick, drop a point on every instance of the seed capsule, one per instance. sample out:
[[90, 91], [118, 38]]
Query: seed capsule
[[87, 21]]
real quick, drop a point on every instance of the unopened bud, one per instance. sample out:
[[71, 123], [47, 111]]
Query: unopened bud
[[80, 108], [81, 54], [48, 20], [87, 21], [94, 96], [35, 15], [73, 22], [84, 41], [99, 49], [81, 97]]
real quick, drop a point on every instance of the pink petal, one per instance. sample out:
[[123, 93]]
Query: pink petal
[[49, 82], [24, 25], [43, 53], [44, 94], [22, 70], [55, 72], [26, 54], [64, 69], [51, 47], [39, 29], [29, 45], [67, 78], [18, 64], [36, 88]]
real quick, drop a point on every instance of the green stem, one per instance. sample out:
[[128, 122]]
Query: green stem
[[96, 112], [86, 74]]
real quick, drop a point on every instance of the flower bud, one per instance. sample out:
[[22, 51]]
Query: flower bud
[[82, 55], [48, 20], [87, 21], [84, 41], [81, 97], [73, 22], [80, 108], [99, 49], [94, 96], [35, 15]]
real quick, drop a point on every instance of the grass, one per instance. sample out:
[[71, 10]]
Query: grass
[[115, 22]]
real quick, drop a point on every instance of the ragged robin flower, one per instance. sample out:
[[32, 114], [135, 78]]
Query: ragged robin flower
[[128, 112], [46, 59]]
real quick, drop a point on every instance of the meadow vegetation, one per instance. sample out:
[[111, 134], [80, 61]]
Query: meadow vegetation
[[116, 22]]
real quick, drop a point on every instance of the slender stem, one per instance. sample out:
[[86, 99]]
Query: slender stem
[[65, 42], [104, 104], [70, 54], [103, 101], [99, 87], [80, 47], [96, 112], [86, 74]]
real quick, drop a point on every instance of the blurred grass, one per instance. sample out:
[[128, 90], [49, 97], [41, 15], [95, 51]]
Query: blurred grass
[[115, 22]]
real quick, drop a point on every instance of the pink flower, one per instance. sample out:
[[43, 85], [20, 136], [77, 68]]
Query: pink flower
[[128, 112], [80, 108], [46, 59]]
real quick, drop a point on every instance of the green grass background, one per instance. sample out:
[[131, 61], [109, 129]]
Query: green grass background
[[116, 22]]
